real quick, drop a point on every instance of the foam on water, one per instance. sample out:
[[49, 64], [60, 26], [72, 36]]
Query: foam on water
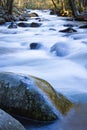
[[67, 74]]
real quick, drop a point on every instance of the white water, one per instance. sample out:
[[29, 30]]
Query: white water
[[67, 74]]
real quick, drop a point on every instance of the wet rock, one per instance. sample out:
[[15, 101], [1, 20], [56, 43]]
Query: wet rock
[[68, 25], [2, 21], [52, 29], [83, 26], [39, 19], [68, 30], [35, 46], [12, 25], [33, 15], [60, 49], [24, 17], [7, 122], [31, 97], [16, 18], [22, 24], [8, 18], [33, 24], [53, 12]]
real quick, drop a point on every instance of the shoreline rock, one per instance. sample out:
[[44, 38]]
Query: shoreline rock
[[31, 97]]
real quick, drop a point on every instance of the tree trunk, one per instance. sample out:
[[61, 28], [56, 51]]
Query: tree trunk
[[63, 5], [54, 4], [77, 15], [10, 6]]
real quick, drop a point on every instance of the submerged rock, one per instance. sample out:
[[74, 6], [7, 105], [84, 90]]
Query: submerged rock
[[7, 122], [60, 49], [68, 30], [33, 24], [22, 24], [31, 97], [83, 26], [68, 25], [35, 45], [52, 29], [54, 12], [12, 25]]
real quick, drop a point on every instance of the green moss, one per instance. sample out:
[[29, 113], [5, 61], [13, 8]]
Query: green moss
[[60, 101]]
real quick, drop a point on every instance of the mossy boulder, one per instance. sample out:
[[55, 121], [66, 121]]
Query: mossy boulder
[[60, 49], [31, 97], [62, 104], [33, 15], [7, 122]]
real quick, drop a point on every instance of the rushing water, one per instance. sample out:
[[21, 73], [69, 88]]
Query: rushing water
[[67, 74]]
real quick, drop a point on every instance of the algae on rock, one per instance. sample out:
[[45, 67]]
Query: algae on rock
[[60, 101]]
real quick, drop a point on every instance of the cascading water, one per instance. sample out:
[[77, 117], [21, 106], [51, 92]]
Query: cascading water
[[66, 73]]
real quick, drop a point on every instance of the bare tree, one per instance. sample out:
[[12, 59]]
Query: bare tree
[[76, 13], [54, 4]]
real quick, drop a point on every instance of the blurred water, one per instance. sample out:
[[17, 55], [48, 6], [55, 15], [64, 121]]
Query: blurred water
[[67, 74]]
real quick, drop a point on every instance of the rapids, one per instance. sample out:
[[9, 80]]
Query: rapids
[[67, 74]]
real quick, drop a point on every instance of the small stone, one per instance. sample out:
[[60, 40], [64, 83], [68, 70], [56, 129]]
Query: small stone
[[68, 30], [33, 24], [68, 25], [35, 46], [22, 24], [12, 25]]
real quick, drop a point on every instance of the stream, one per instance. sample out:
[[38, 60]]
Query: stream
[[66, 71]]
